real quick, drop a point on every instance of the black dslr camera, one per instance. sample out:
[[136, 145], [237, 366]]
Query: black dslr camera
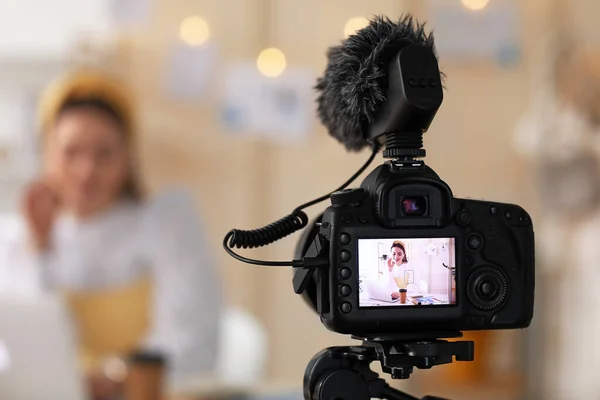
[[476, 258], [398, 263], [468, 264]]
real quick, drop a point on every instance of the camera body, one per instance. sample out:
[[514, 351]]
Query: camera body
[[405, 256]]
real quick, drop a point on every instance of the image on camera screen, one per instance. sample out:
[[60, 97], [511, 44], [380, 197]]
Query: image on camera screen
[[406, 272]]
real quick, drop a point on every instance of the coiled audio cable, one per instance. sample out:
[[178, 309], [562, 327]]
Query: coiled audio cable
[[237, 238]]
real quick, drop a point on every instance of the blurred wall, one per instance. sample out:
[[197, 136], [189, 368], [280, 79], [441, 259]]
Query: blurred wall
[[31, 29]]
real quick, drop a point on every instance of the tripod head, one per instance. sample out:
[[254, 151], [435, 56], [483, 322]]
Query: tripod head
[[343, 373]]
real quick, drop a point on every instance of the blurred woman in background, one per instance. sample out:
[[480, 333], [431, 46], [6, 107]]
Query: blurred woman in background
[[135, 271]]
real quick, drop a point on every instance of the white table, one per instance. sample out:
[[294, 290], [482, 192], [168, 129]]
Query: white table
[[366, 301]]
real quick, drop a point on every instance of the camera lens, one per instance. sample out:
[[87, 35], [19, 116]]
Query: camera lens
[[414, 206]]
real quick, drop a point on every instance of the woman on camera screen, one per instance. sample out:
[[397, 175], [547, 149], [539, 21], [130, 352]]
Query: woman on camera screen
[[400, 273]]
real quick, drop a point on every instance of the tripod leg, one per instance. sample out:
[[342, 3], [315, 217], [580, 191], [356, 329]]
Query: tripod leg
[[329, 376]]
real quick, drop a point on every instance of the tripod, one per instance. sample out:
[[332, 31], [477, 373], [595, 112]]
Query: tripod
[[343, 372]]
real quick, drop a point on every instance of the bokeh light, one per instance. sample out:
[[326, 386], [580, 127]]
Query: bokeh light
[[475, 5], [271, 62], [355, 24], [194, 31]]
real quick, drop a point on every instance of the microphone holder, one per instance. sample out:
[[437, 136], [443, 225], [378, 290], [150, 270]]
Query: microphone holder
[[405, 145], [343, 372]]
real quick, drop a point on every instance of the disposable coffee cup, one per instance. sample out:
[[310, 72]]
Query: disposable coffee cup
[[402, 296], [145, 377]]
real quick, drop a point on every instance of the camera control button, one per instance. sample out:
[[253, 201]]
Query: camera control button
[[475, 242], [346, 218], [463, 218], [488, 289], [508, 214], [345, 238], [345, 290], [346, 308], [347, 197], [363, 218], [494, 210], [523, 218], [345, 256], [345, 273]]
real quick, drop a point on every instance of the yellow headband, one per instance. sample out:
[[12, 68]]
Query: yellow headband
[[398, 242], [82, 85]]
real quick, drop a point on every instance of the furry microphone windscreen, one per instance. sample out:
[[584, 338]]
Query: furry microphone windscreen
[[353, 84]]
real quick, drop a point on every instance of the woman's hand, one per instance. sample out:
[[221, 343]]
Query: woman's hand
[[40, 205], [395, 295]]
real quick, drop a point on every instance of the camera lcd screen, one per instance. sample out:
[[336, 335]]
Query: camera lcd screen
[[406, 272]]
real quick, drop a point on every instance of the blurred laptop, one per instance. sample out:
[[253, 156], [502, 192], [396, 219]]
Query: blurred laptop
[[378, 290], [38, 354]]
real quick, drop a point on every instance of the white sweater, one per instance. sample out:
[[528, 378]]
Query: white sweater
[[161, 238]]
